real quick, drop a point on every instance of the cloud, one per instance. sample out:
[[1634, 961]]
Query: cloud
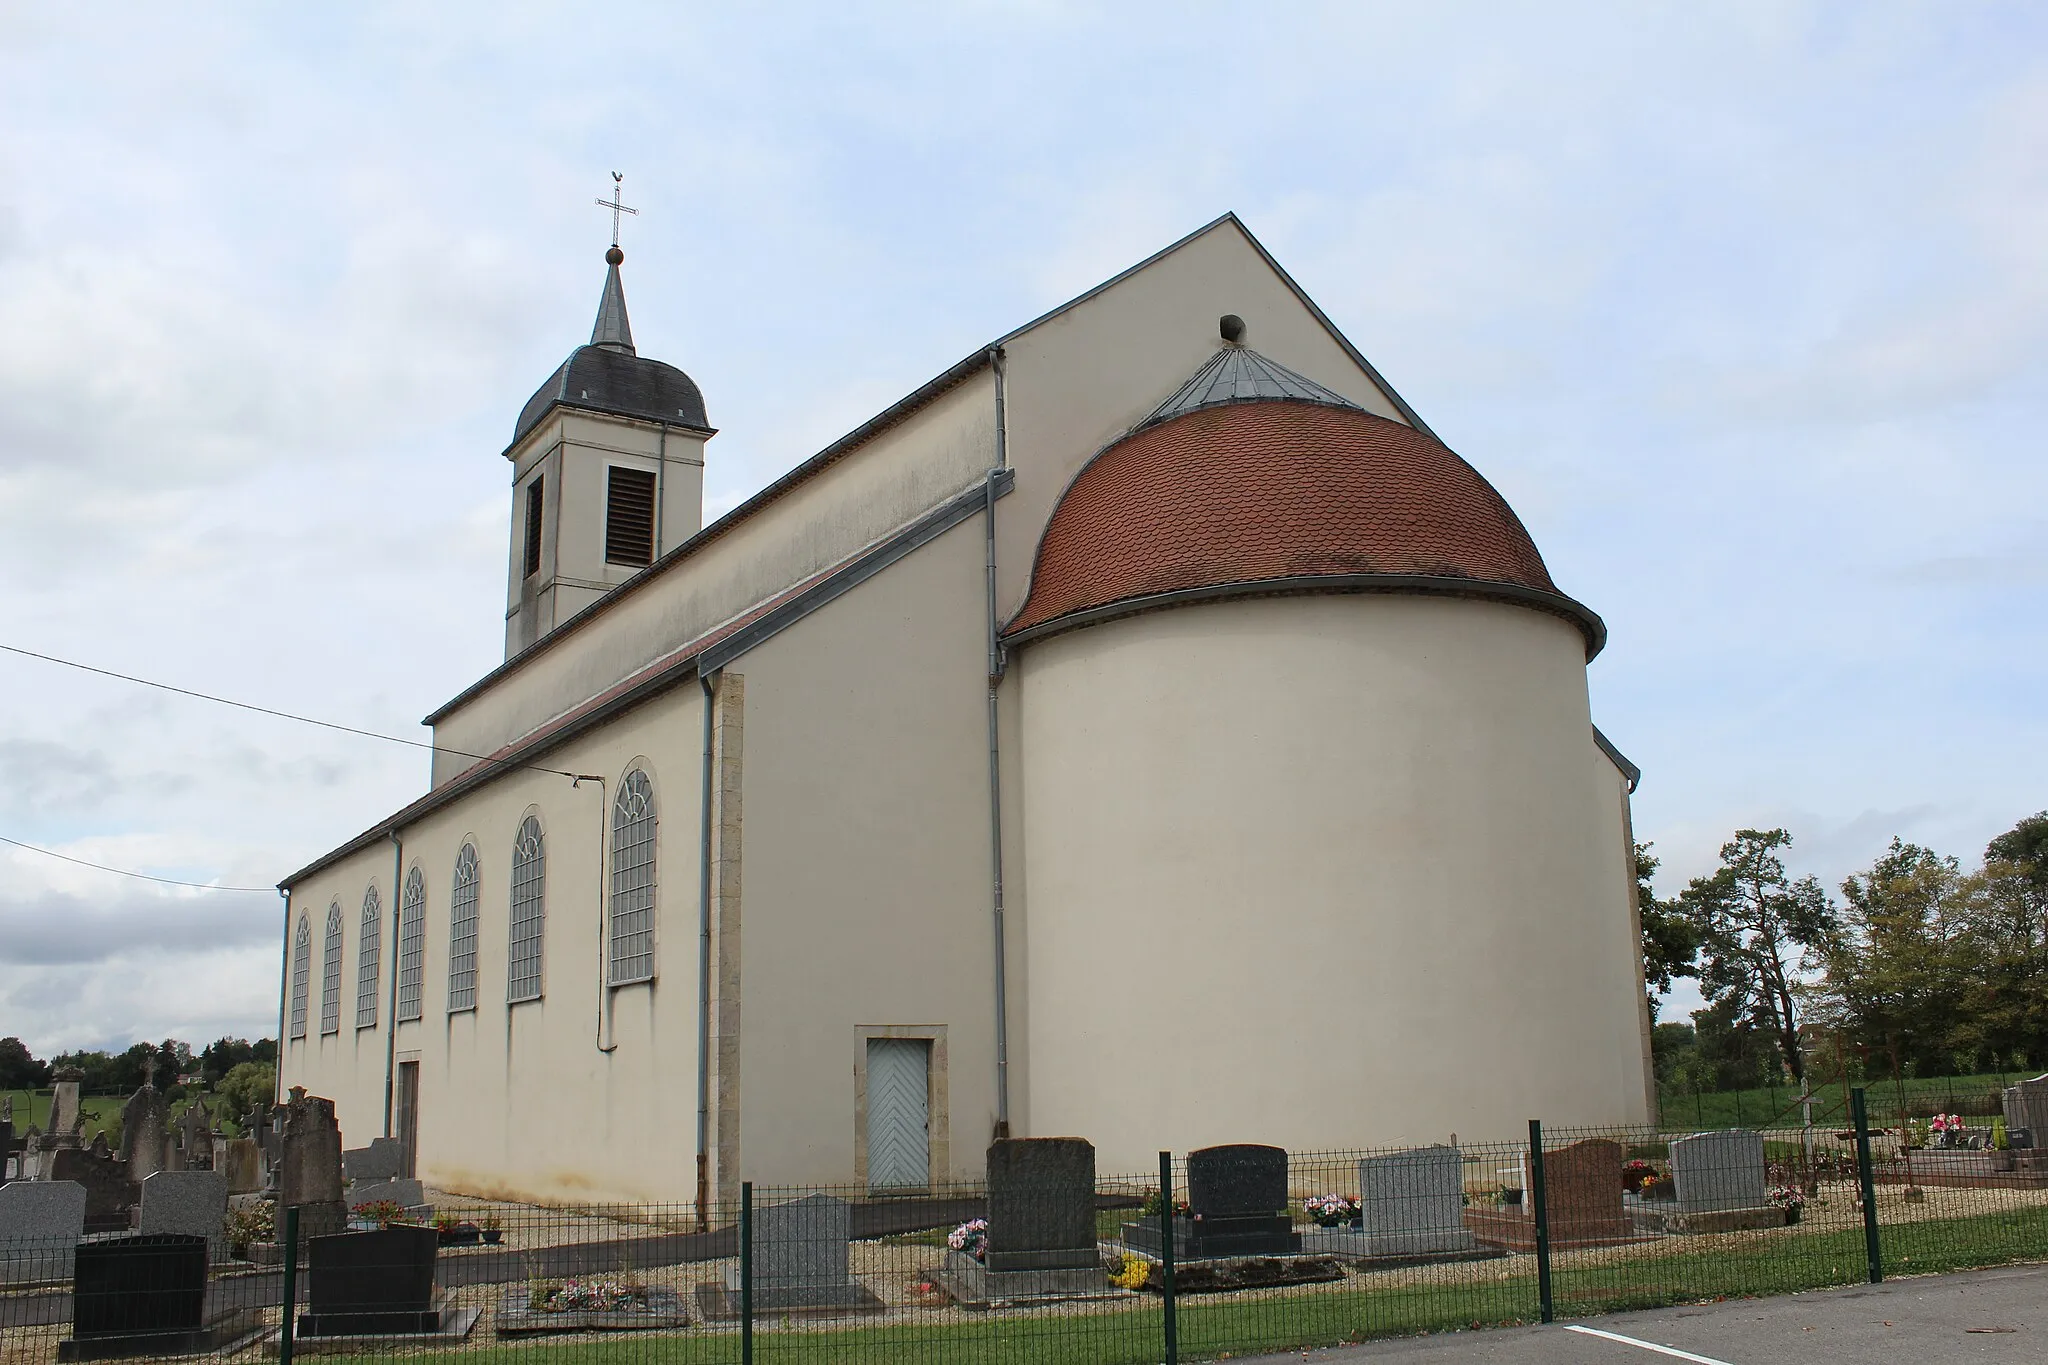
[[50, 928]]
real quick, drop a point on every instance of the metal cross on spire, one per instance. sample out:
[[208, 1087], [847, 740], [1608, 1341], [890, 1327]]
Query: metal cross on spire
[[615, 206]]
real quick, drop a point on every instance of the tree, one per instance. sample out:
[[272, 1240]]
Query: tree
[[1758, 928], [1895, 958], [1671, 942], [2003, 1013], [19, 1069], [2023, 850], [248, 1087]]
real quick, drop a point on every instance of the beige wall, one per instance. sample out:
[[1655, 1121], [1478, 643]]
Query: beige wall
[[518, 1099], [1321, 872], [867, 860], [946, 447], [1080, 380]]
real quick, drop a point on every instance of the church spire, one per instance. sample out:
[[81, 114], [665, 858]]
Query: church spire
[[613, 331]]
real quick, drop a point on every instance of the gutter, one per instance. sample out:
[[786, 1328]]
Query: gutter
[[284, 996], [395, 949], [704, 974], [995, 756]]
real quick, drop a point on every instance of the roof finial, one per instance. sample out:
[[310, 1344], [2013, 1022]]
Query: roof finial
[[613, 331]]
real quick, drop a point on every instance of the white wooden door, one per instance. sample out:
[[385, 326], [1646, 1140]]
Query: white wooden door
[[899, 1113]]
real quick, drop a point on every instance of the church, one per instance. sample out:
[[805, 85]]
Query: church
[[1146, 730]]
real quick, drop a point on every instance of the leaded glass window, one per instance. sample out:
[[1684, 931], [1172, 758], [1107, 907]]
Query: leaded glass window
[[302, 970], [632, 910], [529, 911], [368, 939], [462, 898], [330, 973], [412, 944]]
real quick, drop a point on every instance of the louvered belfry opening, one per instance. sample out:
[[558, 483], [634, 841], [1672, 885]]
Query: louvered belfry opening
[[629, 516]]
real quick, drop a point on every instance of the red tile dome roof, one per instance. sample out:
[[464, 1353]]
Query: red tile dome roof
[[1279, 495]]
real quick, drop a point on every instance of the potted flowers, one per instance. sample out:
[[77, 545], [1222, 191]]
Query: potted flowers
[[1790, 1198], [493, 1230], [1332, 1210], [1637, 1174], [1947, 1130], [970, 1238], [456, 1231], [375, 1215]]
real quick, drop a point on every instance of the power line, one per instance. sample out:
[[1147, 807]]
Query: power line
[[263, 711], [139, 876]]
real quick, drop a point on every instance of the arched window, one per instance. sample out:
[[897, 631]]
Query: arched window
[[368, 938], [330, 973], [633, 881], [412, 944], [529, 911], [462, 899], [302, 969]]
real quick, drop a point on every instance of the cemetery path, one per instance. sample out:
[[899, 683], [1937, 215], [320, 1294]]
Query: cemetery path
[[1980, 1315]]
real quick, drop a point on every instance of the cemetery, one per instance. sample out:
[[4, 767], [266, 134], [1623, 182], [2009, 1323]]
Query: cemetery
[[98, 1262]]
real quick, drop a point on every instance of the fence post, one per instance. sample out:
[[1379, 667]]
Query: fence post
[[1542, 1219], [291, 1285], [1166, 1221], [747, 1272], [1873, 1250]]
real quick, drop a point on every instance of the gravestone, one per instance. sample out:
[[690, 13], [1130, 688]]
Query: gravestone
[[66, 1114], [1041, 1227], [186, 1203], [310, 1169], [377, 1283], [145, 1133], [195, 1136], [1412, 1203], [108, 1195], [801, 1260], [41, 1224], [1237, 1196], [146, 1296], [2026, 1107], [1715, 1171], [383, 1159], [409, 1195], [1582, 1189], [240, 1161], [10, 1146]]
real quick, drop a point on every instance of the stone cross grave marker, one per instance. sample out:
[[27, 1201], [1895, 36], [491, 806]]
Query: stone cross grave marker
[[1722, 1170]]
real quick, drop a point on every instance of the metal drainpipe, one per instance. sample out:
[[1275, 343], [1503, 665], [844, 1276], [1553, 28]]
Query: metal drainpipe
[[283, 998], [995, 776], [660, 482], [704, 974], [391, 1015], [603, 810]]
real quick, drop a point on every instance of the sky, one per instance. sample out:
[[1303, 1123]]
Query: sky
[[1744, 307]]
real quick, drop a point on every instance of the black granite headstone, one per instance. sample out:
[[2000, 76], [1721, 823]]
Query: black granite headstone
[[365, 1283], [1237, 1195], [138, 1296], [1041, 1204]]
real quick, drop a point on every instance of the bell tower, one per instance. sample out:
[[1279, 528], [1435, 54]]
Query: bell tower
[[607, 469]]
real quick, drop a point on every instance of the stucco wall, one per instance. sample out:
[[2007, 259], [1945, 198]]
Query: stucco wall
[[867, 859], [517, 1098], [1321, 872]]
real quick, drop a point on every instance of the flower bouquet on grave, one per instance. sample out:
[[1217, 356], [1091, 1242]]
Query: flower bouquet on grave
[[970, 1237], [599, 1294], [1947, 1129], [1331, 1210], [457, 1231], [1790, 1198], [376, 1214], [1637, 1174]]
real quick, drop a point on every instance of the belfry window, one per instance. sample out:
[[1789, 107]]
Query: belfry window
[[529, 914], [302, 970], [533, 515], [412, 945], [462, 900], [629, 515], [368, 939], [330, 973], [632, 909]]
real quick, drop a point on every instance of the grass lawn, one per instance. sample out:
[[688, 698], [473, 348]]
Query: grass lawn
[[33, 1106], [1780, 1107], [1476, 1294]]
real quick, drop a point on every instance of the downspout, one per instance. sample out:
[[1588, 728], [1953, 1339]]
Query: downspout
[[995, 775], [391, 1015], [284, 996], [704, 974], [660, 476], [603, 810]]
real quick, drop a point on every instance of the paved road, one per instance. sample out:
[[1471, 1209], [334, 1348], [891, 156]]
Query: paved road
[[1976, 1315]]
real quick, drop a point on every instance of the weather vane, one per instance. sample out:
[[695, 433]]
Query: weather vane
[[615, 206]]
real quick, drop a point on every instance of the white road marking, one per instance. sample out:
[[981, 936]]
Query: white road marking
[[1646, 1345]]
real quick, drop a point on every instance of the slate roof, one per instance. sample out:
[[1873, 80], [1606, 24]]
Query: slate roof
[[1238, 374], [609, 376], [1278, 490]]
